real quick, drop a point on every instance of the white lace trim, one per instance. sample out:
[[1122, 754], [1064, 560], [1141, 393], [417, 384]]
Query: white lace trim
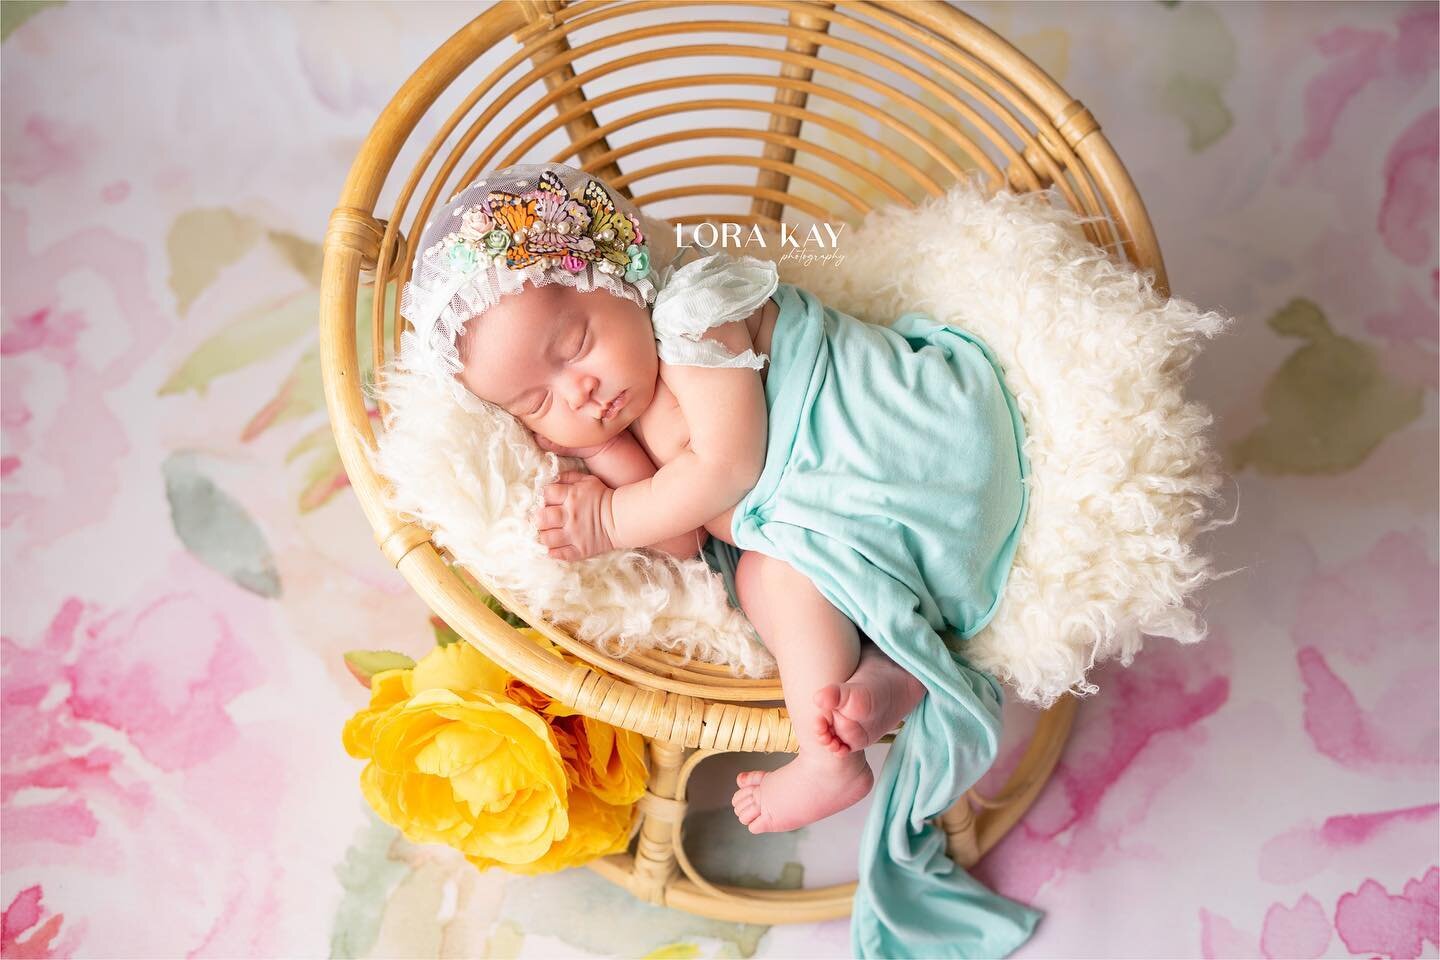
[[440, 303], [438, 300]]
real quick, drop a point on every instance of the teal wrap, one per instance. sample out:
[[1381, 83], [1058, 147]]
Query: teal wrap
[[894, 480]]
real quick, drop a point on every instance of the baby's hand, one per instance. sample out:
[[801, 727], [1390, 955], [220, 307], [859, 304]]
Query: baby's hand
[[576, 522]]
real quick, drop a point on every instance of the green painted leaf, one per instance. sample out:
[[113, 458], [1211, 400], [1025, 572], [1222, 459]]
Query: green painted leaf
[[201, 244], [364, 664], [304, 255], [1330, 403], [444, 633], [15, 12], [216, 528], [1197, 61], [325, 473], [1200, 105], [324, 478], [250, 337], [316, 440], [300, 394], [503, 613], [368, 876]]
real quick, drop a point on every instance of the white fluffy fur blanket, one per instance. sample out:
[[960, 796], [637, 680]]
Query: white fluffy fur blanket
[[1122, 471]]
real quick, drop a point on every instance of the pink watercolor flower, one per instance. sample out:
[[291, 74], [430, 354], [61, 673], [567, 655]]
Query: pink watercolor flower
[[124, 768], [1407, 214], [1379, 601], [1372, 921], [24, 916], [1220, 940], [1301, 932], [1397, 730], [1133, 732], [1364, 710], [1304, 851], [1354, 59], [58, 395]]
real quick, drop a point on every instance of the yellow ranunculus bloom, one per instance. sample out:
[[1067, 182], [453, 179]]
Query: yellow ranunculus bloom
[[605, 760], [458, 667], [474, 771], [596, 830], [463, 753]]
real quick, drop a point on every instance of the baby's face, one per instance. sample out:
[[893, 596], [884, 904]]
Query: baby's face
[[558, 359]]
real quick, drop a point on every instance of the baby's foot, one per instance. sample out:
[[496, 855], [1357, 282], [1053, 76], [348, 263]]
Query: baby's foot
[[856, 713], [808, 788]]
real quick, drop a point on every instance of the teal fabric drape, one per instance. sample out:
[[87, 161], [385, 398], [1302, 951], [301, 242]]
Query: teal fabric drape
[[894, 479]]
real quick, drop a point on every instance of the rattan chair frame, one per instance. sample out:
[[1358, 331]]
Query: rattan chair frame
[[1040, 136]]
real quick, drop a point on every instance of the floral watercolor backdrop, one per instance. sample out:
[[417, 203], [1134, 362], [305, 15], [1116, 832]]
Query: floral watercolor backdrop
[[183, 565]]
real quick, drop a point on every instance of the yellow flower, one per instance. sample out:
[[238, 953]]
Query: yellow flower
[[461, 668], [463, 753], [474, 771], [597, 829], [608, 761], [605, 760]]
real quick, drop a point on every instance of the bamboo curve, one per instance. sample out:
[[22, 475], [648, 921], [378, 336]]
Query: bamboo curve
[[1001, 113]]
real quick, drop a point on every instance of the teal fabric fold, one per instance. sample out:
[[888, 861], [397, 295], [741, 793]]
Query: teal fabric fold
[[894, 479]]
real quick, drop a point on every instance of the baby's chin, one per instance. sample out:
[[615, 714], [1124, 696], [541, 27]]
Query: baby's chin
[[600, 434]]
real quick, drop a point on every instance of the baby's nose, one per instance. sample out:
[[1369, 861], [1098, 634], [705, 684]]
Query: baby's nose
[[582, 389]]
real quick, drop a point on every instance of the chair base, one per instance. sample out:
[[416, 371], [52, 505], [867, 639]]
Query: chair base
[[660, 872]]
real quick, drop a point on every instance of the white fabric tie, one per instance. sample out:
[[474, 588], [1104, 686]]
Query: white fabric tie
[[713, 290]]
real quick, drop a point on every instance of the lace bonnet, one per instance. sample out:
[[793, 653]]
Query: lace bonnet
[[535, 222]]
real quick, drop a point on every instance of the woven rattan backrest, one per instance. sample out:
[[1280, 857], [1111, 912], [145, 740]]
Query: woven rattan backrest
[[849, 103], [825, 110]]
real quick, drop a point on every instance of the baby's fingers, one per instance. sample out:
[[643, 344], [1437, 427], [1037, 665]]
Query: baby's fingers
[[558, 489], [550, 518], [564, 553], [554, 538]]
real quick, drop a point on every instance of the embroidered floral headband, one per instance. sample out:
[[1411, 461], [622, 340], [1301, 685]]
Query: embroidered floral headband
[[547, 224], [535, 223]]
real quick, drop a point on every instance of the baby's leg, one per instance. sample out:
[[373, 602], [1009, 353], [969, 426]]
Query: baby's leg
[[815, 646]]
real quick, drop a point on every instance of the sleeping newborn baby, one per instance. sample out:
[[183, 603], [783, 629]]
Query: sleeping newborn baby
[[670, 448], [736, 407]]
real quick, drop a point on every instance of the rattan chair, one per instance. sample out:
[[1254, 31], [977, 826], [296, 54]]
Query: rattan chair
[[946, 96]]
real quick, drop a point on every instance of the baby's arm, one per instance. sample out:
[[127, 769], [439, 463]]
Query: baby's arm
[[623, 461], [724, 408]]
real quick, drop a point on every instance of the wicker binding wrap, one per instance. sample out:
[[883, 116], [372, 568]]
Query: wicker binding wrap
[[982, 105]]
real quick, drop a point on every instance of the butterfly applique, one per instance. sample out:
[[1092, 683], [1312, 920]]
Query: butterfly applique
[[604, 216], [512, 213], [561, 220]]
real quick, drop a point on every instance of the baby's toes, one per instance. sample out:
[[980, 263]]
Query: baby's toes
[[747, 808], [823, 730], [750, 778], [852, 734]]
